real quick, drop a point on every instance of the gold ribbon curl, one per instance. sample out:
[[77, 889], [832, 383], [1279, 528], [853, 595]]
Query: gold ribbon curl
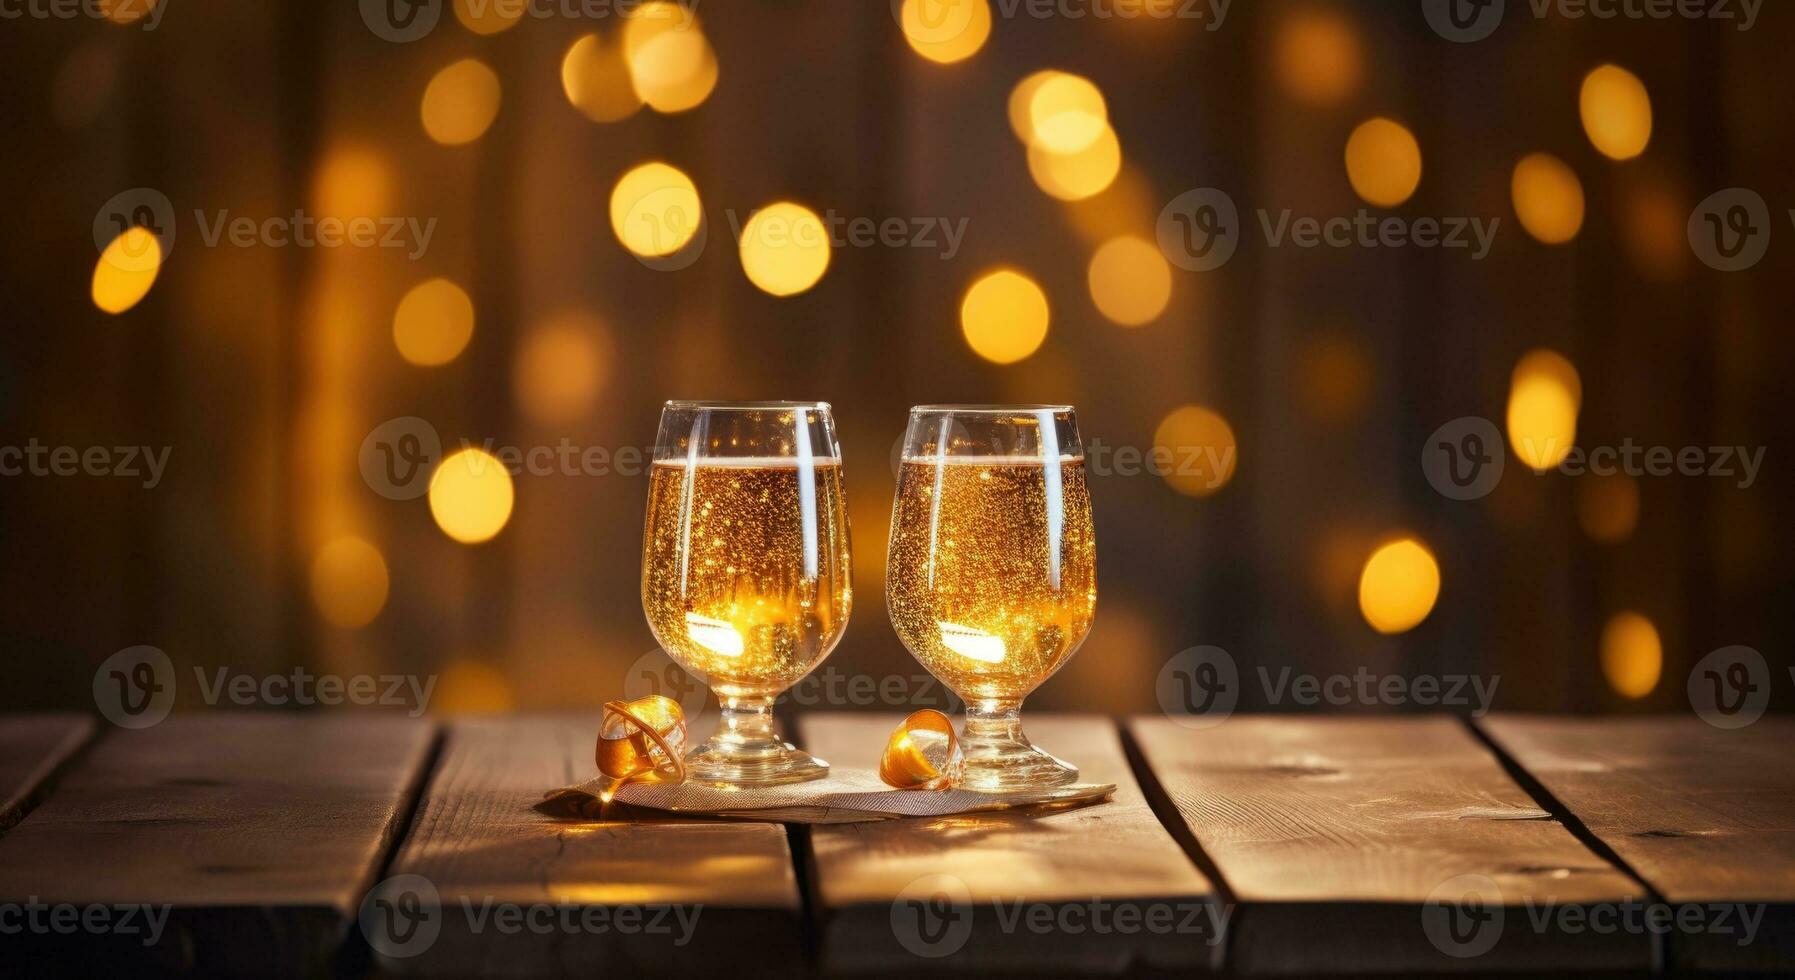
[[641, 739], [904, 764]]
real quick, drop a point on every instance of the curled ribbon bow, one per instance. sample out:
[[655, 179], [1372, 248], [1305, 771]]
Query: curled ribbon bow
[[922, 753], [641, 739]]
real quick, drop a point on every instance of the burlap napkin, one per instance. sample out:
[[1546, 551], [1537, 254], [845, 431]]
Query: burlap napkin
[[844, 796]]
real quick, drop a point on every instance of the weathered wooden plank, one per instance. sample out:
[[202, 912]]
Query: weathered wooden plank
[[1097, 890], [507, 891], [228, 843], [32, 748], [1705, 816], [1383, 845]]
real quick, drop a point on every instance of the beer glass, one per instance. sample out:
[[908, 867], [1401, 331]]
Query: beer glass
[[991, 579], [745, 568]]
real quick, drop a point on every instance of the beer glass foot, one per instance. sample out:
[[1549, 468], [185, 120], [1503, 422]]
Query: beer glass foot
[[998, 756], [729, 765], [747, 749]]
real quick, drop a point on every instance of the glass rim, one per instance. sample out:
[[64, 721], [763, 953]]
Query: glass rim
[[988, 409], [700, 405]]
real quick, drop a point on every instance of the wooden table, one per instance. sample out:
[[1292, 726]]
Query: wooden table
[[355, 844]]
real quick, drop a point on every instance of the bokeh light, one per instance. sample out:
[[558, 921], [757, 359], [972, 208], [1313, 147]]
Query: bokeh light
[[1548, 198], [1021, 104], [126, 11], [655, 210], [1080, 175], [1632, 655], [461, 102], [1066, 113], [349, 582], [671, 63], [1383, 162], [785, 248], [353, 181], [1544, 398], [1004, 316], [1334, 375], [488, 16], [946, 32], [1608, 506], [597, 80], [1131, 282], [1617, 112], [1195, 450], [126, 270], [471, 687], [433, 323], [471, 496], [560, 367], [1399, 586], [1319, 60]]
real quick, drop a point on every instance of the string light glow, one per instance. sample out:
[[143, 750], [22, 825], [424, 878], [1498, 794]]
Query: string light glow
[[1004, 316], [1318, 57], [1399, 586], [126, 270], [460, 102], [471, 496], [349, 582], [1632, 655], [1081, 175], [1131, 282], [946, 32], [433, 323], [1545, 396], [1548, 198], [1617, 112], [671, 63], [1383, 162], [560, 367], [1608, 506], [1195, 448], [785, 248], [597, 80], [655, 210], [488, 16], [1066, 113]]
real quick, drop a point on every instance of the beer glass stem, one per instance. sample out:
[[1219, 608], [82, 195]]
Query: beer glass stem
[[746, 726], [990, 724]]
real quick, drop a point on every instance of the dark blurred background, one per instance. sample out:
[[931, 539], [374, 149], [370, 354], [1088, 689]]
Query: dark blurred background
[[262, 368]]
